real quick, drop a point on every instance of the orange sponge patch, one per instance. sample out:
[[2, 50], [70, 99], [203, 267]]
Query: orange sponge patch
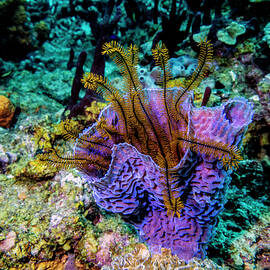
[[6, 112]]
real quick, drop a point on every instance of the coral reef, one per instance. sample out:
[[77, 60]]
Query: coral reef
[[164, 181], [37, 37]]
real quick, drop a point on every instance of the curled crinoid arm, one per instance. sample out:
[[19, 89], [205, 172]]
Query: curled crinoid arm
[[68, 129], [161, 57], [172, 201], [55, 159], [133, 52], [204, 62], [126, 60], [173, 206], [106, 130], [229, 155]]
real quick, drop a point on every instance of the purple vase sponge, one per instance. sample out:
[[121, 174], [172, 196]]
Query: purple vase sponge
[[155, 158]]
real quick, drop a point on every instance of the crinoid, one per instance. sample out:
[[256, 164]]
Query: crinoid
[[154, 157]]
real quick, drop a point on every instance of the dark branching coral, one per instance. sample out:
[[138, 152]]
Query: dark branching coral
[[15, 39], [154, 157]]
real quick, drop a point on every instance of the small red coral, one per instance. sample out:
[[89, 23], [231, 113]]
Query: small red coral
[[6, 112]]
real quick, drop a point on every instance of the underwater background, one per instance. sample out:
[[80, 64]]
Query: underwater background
[[55, 210]]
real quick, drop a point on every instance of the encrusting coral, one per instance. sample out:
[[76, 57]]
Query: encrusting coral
[[141, 258], [154, 157]]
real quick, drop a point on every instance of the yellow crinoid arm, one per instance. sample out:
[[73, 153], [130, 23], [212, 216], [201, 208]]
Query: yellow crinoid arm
[[161, 57], [54, 159], [228, 154], [204, 62], [173, 207], [172, 201], [110, 93], [101, 86], [126, 60]]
